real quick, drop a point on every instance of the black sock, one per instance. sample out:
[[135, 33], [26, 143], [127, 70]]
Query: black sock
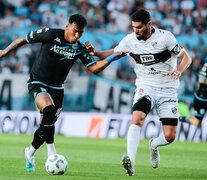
[[38, 138], [48, 123], [49, 131]]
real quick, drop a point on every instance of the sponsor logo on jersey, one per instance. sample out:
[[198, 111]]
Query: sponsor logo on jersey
[[147, 58], [57, 39], [68, 53], [154, 71]]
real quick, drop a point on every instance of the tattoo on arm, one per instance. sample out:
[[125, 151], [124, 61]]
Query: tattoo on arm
[[15, 44]]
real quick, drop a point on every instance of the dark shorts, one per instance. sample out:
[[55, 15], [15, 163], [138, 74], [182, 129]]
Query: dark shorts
[[200, 106], [55, 94]]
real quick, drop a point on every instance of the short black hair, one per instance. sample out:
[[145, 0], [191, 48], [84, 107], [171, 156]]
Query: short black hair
[[78, 19], [141, 15]]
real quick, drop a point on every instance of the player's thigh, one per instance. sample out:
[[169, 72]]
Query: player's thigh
[[43, 100], [40, 96], [138, 118]]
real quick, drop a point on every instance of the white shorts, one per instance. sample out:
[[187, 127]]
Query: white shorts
[[164, 100]]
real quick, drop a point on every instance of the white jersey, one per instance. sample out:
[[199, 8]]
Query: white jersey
[[154, 57]]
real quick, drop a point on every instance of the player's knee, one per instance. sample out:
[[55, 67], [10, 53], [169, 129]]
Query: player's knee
[[140, 123], [170, 137], [48, 115], [169, 125], [138, 118]]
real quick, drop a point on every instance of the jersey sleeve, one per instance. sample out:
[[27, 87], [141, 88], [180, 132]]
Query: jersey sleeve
[[86, 58], [122, 46], [41, 35], [173, 45]]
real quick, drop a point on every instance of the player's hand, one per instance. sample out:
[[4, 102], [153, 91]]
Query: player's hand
[[90, 48], [175, 74], [115, 56], [2, 53], [121, 53]]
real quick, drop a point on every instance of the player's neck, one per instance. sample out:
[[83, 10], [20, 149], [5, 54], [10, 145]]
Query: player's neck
[[151, 30], [149, 35]]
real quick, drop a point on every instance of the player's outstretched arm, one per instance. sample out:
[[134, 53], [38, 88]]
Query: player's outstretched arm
[[100, 54], [101, 65], [185, 63], [15, 44], [191, 120]]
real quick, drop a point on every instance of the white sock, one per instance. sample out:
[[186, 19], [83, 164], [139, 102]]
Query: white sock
[[133, 141], [51, 149], [159, 141], [31, 151]]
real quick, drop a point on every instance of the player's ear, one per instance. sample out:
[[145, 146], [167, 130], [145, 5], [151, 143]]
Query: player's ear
[[66, 26], [149, 23]]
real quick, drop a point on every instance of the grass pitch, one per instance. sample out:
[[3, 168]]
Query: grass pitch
[[95, 159]]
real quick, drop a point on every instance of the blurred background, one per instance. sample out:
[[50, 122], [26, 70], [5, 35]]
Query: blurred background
[[108, 23], [100, 103]]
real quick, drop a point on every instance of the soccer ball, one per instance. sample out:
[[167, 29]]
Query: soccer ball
[[56, 164]]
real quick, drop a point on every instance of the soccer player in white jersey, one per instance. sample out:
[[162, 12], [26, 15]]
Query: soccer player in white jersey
[[155, 52]]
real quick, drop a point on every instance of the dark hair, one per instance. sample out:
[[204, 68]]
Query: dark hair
[[78, 19], [141, 15]]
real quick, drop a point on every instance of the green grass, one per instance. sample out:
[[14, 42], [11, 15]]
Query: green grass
[[95, 159]]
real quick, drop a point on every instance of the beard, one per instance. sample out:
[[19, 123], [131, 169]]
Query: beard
[[144, 36], [141, 38]]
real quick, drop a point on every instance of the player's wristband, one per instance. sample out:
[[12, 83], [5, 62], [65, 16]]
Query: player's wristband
[[112, 57]]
